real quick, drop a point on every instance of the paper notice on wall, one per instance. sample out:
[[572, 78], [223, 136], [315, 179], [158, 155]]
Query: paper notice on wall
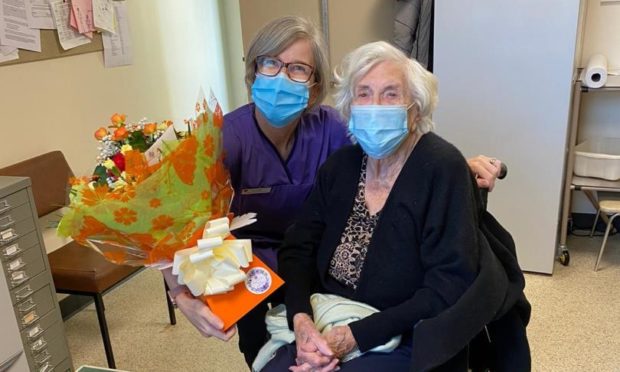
[[8, 53], [14, 30], [39, 14], [117, 48], [68, 37], [83, 12], [103, 13]]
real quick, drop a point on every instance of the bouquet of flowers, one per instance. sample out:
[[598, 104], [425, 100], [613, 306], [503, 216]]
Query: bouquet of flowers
[[139, 209], [158, 201], [119, 138]]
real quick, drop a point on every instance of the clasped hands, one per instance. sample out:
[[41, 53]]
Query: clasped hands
[[317, 352]]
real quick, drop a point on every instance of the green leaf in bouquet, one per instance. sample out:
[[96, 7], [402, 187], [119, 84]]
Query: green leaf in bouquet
[[138, 141], [100, 174]]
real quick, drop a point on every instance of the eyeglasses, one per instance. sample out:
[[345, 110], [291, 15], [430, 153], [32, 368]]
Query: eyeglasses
[[296, 71]]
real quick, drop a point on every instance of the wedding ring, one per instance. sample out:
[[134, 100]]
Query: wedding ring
[[493, 161]]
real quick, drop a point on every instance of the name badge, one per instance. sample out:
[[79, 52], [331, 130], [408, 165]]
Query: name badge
[[258, 190]]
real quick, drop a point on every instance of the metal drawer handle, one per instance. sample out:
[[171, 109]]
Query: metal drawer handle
[[47, 367], [38, 345], [26, 306], [4, 206], [11, 250], [16, 264], [30, 318], [22, 293], [43, 357], [18, 277], [7, 222], [8, 236], [34, 332]]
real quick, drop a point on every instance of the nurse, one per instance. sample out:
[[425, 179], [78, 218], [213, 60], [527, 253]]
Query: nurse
[[274, 147]]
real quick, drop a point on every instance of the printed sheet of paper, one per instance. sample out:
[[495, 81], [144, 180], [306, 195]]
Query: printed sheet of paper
[[83, 12], [117, 49], [103, 14], [14, 30], [156, 152], [68, 37], [8, 53], [39, 14]]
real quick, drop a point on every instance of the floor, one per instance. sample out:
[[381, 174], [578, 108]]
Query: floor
[[575, 322]]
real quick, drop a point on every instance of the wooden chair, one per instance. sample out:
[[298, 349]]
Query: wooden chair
[[76, 270]]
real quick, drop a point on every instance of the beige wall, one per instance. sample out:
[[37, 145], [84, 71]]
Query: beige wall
[[58, 104]]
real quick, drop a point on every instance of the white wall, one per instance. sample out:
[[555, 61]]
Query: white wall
[[600, 111], [58, 104]]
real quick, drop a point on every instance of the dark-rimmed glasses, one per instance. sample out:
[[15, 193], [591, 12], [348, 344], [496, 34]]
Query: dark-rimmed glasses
[[296, 71]]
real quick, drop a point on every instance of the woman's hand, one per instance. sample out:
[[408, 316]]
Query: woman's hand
[[340, 340], [313, 352], [486, 170], [199, 314]]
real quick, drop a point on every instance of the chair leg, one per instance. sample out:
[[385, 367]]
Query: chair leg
[[171, 314], [598, 213], [609, 226], [103, 326]]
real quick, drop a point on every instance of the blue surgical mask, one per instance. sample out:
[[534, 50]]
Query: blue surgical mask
[[279, 99], [379, 129]]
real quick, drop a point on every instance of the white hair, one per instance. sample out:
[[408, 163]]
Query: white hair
[[355, 65]]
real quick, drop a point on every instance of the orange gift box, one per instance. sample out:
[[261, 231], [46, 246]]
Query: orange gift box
[[231, 306]]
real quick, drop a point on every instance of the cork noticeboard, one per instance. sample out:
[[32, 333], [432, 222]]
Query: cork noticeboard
[[50, 48]]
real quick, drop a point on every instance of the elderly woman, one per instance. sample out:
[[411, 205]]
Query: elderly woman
[[391, 223]]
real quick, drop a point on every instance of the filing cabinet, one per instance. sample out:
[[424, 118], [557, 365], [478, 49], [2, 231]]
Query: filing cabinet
[[28, 280]]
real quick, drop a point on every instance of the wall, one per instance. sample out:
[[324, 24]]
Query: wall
[[58, 104], [600, 111]]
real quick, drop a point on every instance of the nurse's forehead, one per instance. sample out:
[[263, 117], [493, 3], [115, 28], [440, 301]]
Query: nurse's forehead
[[299, 51]]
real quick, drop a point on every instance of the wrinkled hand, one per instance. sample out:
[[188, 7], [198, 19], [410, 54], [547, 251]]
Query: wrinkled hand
[[486, 170], [199, 314], [313, 352], [340, 340]]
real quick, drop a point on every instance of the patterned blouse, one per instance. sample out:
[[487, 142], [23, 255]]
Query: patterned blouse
[[348, 259]]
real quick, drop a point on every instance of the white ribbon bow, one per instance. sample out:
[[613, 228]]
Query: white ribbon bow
[[214, 265]]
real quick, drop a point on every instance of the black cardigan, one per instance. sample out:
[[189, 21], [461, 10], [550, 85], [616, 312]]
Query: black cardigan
[[424, 251], [429, 268]]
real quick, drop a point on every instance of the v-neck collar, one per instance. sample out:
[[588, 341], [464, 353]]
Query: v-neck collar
[[283, 162]]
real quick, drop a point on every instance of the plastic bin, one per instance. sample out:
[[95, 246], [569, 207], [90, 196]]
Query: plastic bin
[[598, 158]]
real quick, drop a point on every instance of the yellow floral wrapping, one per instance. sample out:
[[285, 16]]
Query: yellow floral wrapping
[[161, 209]]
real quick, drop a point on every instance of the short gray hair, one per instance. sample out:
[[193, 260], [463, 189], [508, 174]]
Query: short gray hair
[[277, 35], [355, 65]]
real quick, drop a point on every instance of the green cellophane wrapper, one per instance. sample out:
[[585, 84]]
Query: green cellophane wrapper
[[162, 208]]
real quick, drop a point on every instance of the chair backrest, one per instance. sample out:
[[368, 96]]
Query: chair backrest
[[49, 174]]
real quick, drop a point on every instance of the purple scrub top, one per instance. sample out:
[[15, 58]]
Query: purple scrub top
[[273, 188]]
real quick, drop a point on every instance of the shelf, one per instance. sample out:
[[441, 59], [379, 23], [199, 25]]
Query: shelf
[[612, 84], [586, 183]]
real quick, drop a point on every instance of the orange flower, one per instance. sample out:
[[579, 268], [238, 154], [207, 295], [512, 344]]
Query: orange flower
[[154, 203], [162, 222], [100, 133], [125, 216], [127, 194], [75, 181], [209, 146], [118, 120], [184, 160], [205, 195], [120, 134], [150, 128], [92, 197]]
